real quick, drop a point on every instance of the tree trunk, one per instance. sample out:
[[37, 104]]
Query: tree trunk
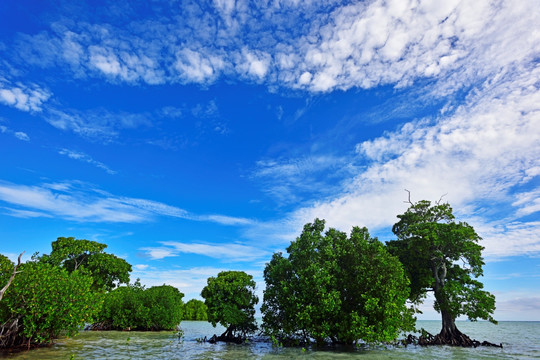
[[4, 289], [450, 334], [448, 325]]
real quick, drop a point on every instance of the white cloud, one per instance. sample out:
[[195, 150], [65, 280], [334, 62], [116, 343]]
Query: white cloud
[[305, 78], [316, 46], [25, 213], [295, 167], [479, 155], [290, 180], [508, 238], [171, 112], [106, 63], [254, 64], [224, 220], [528, 202], [189, 281], [71, 204], [22, 97], [226, 252], [96, 123], [225, 7], [18, 134], [125, 65], [79, 124], [158, 253], [477, 152], [82, 202], [156, 207], [21, 136], [85, 158], [198, 67], [401, 41]]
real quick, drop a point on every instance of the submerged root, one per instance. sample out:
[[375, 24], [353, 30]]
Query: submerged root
[[230, 339], [452, 338], [228, 336]]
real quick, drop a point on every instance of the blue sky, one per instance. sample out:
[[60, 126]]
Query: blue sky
[[195, 137]]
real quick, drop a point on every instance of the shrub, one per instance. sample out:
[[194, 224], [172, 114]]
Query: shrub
[[45, 302], [334, 288], [136, 308]]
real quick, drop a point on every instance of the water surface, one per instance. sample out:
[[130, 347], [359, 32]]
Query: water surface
[[521, 340]]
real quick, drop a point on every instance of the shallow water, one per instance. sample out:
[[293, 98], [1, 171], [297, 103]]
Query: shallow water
[[521, 340]]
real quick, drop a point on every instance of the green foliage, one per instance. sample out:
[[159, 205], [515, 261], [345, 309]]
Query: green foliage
[[123, 308], [443, 256], [373, 289], [166, 307], [47, 301], [136, 308], [230, 298], [195, 310], [334, 288], [6, 267], [106, 269], [58, 293]]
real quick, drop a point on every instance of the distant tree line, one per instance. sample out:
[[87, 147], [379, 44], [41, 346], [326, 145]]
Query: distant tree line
[[330, 288], [195, 310]]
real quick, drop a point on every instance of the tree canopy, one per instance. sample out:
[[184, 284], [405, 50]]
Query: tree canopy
[[56, 294], [195, 310], [230, 299], [135, 308], [45, 301], [443, 256], [72, 254], [335, 288]]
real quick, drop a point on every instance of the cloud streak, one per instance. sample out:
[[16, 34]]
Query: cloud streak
[[96, 123], [86, 158], [292, 180], [224, 252], [82, 202], [18, 134]]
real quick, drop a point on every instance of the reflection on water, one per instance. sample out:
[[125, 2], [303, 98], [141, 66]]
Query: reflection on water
[[520, 340]]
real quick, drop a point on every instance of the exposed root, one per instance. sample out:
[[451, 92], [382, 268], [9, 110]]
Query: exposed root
[[230, 339], [455, 338], [12, 338], [9, 334], [228, 336]]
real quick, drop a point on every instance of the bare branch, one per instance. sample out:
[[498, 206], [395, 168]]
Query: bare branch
[[12, 276], [409, 200], [439, 201]]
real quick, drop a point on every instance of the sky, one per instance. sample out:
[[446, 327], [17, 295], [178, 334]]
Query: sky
[[193, 137]]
